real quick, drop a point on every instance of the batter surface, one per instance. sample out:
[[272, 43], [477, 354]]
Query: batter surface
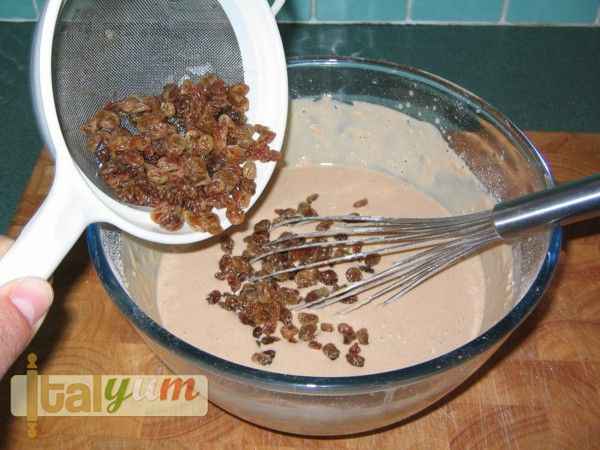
[[440, 315]]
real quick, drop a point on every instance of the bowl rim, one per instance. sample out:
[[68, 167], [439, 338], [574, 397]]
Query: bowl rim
[[319, 384]]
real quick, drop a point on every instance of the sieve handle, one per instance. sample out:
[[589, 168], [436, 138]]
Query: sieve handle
[[49, 234]]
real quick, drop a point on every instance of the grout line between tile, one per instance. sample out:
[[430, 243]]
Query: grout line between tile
[[16, 20], [313, 11], [433, 22], [597, 21], [36, 9], [409, 7], [504, 12]]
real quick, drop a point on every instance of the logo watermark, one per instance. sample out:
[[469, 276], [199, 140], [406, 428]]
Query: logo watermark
[[34, 395]]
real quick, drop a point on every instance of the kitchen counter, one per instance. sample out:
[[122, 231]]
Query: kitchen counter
[[540, 390]]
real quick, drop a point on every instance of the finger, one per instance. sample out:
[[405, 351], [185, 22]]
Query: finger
[[5, 243], [24, 304]]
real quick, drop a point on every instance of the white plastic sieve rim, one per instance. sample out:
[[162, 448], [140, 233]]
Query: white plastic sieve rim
[[264, 71]]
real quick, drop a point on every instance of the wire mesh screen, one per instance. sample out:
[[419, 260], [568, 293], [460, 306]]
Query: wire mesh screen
[[109, 49]]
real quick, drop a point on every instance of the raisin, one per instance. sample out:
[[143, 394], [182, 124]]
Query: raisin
[[262, 226], [289, 332], [213, 297], [256, 332], [305, 255], [317, 294], [241, 265], [241, 198], [208, 222], [315, 344], [285, 315], [287, 213], [269, 327], [372, 259], [360, 203], [249, 170], [306, 278], [234, 281], [354, 349], [168, 217], [231, 300], [227, 244], [311, 198], [367, 269], [266, 340], [306, 318], [339, 252], [327, 327], [107, 120], [264, 358], [306, 210], [226, 306], [347, 332], [362, 335], [225, 263], [331, 351], [307, 332], [273, 311], [350, 299], [355, 360], [258, 238], [235, 215], [289, 296], [353, 274], [324, 225], [328, 277]]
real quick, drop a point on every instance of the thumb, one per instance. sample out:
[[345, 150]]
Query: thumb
[[24, 304]]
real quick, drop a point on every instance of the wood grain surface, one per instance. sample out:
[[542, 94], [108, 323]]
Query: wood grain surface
[[540, 390]]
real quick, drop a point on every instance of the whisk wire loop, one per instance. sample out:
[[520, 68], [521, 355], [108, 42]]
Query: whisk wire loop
[[435, 243]]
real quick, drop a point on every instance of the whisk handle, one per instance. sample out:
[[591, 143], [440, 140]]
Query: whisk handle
[[569, 202]]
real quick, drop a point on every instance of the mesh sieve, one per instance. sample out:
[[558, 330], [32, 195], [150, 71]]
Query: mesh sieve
[[111, 49], [88, 52]]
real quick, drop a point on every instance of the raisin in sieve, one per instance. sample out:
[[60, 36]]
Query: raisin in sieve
[[88, 52]]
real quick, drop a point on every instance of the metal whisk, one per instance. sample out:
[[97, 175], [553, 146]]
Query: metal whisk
[[441, 241]]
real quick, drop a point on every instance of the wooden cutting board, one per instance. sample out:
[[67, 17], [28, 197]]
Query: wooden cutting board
[[540, 390]]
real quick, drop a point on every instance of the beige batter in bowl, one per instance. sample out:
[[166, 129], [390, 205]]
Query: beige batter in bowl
[[498, 154]]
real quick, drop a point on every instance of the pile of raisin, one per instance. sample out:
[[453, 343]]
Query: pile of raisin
[[184, 152], [265, 304]]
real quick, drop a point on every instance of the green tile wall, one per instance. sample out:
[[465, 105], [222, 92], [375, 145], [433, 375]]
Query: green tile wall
[[18, 10], [358, 10], [295, 11], [553, 11], [518, 12], [457, 10], [40, 4]]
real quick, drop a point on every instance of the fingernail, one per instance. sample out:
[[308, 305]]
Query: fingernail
[[32, 297]]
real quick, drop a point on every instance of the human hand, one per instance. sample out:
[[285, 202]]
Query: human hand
[[24, 304]]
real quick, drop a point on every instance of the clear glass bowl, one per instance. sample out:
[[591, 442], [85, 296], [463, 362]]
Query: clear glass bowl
[[495, 150]]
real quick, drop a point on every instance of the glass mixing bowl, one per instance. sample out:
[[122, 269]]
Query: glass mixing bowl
[[493, 148]]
